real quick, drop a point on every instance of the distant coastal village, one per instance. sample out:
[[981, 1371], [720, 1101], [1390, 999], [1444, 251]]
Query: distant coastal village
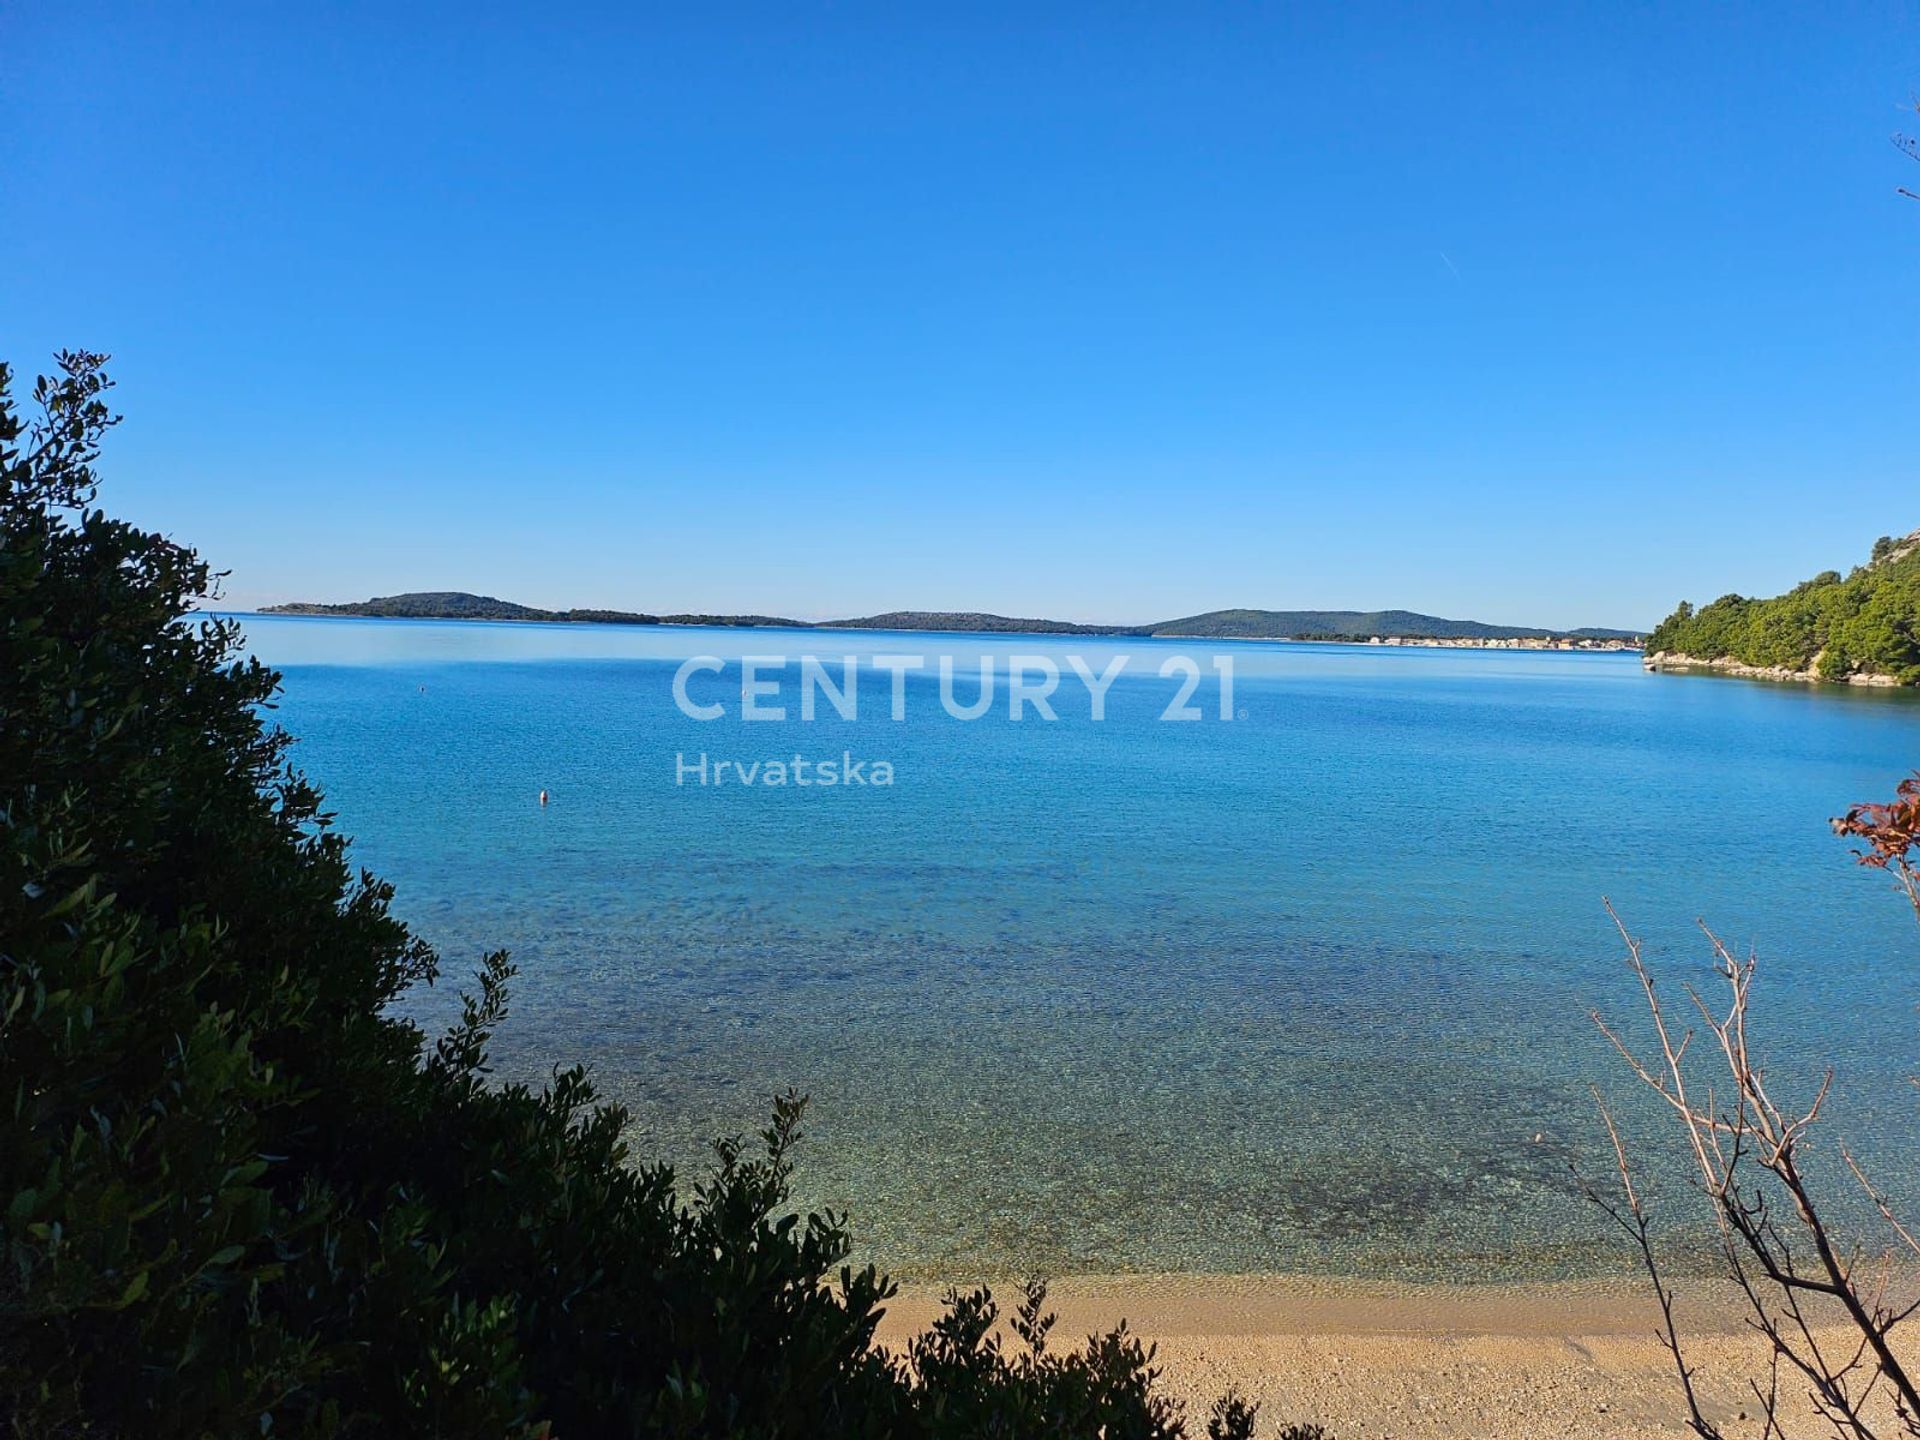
[[1522, 642], [1585, 641]]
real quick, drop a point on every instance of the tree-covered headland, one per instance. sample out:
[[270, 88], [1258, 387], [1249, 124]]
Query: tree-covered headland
[[1836, 626]]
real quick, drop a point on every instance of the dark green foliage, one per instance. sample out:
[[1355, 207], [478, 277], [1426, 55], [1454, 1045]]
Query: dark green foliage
[[239, 1197], [970, 1386], [1867, 622], [1233, 1417]]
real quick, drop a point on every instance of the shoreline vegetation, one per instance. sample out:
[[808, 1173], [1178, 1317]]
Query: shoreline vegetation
[[1334, 627], [1859, 629]]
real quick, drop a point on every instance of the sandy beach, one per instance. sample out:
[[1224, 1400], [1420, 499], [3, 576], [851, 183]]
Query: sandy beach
[[1490, 1362]]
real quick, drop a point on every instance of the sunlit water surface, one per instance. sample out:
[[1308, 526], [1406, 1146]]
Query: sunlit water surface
[[1294, 991]]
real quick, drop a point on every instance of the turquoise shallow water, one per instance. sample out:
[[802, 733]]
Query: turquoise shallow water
[[1294, 991]]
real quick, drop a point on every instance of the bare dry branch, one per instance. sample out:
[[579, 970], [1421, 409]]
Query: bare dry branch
[[1747, 1153]]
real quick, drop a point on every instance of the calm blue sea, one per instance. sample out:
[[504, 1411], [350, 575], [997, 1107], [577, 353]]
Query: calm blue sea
[[1295, 990]]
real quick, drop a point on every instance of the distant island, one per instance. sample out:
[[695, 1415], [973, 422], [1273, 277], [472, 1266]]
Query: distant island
[[1354, 627], [460, 605], [1859, 629]]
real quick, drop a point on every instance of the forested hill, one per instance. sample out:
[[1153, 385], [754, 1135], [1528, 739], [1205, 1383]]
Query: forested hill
[[456, 605], [1834, 626], [1214, 624], [460, 605]]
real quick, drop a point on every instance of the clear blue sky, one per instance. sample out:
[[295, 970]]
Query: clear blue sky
[[1532, 314]]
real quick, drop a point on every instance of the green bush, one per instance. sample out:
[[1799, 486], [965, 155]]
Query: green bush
[[239, 1195]]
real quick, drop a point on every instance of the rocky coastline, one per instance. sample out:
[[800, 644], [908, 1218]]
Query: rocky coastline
[[1725, 665]]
